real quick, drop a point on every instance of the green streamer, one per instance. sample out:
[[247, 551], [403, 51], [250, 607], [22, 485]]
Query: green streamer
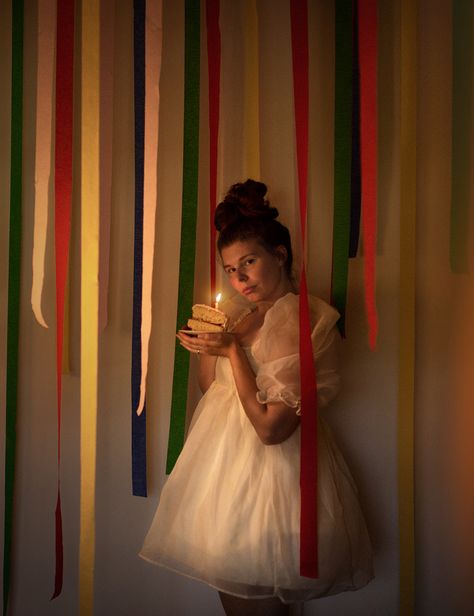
[[342, 158], [13, 286], [188, 225], [461, 122]]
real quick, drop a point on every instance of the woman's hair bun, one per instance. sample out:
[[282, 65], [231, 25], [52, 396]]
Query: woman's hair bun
[[243, 201]]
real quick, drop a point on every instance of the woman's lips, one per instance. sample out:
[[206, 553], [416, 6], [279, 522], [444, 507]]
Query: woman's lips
[[248, 290]]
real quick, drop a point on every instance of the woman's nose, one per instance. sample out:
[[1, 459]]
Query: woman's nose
[[242, 275]]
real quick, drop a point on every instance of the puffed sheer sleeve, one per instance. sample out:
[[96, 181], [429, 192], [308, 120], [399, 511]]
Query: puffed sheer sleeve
[[277, 352]]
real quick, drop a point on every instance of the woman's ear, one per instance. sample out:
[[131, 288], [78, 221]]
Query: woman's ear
[[281, 254]]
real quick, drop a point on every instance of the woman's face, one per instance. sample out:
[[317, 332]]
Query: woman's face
[[256, 273]]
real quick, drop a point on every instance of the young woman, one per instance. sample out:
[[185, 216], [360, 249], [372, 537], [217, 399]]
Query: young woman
[[229, 514]]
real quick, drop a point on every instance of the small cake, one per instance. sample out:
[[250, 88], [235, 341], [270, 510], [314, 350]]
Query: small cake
[[207, 319]]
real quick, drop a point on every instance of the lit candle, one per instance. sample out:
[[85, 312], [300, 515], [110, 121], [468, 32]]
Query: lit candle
[[218, 299]]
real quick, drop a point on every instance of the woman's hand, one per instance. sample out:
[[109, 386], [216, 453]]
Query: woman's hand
[[217, 344]]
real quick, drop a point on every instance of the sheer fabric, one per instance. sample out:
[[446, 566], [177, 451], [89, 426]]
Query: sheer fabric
[[229, 513]]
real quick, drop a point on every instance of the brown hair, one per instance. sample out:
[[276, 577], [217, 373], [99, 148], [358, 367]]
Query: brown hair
[[245, 214]]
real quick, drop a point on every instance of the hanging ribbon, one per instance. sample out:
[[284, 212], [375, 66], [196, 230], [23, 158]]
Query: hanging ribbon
[[90, 197], [153, 41], [107, 45], [355, 166], [461, 158], [309, 416], [63, 198], [147, 164], [44, 112], [14, 269], [188, 224], [66, 369], [139, 479], [251, 91], [406, 369], [214, 72], [368, 146], [342, 158]]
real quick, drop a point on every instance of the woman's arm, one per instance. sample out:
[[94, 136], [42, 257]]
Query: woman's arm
[[206, 371], [273, 422], [207, 363]]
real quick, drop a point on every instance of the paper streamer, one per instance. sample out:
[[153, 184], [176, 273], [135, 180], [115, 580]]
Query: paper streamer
[[214, 73], [406, 370], [14, 270], [44, 112], [62, 232], [461, 157], [251, 91], [188, 225], [139, 479], [355, 166], [368, 146], [342, 158], [66, 338], [309, 415], [90, 196], [107, 47], [153, 44]]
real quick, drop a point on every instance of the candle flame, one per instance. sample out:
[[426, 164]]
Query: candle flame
[[218, 297]]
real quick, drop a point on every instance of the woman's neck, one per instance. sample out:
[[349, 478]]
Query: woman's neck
[[286, 287]]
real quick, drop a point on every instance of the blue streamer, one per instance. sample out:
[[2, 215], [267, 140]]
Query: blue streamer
[[139, 478]]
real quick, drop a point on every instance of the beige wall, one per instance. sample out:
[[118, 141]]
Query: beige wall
[[365, 415]]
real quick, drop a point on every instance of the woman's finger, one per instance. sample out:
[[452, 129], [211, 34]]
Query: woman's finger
[[205, 343], [189, 343]]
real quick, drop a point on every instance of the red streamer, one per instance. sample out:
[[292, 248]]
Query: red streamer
[[309, 416], [368, 150], [63, 195], [214, 70]]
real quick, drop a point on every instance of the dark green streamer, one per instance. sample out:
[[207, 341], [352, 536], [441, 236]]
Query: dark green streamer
[[342, 158], [188, 225], [13, 286], [461, 122]]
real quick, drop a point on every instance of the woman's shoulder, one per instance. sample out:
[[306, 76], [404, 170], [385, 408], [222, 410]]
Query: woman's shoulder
[[286, 311], [323, 315], [279, 335]]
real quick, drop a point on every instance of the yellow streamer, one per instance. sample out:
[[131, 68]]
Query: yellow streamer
[[251, 92], [89, 294], [407, 307]]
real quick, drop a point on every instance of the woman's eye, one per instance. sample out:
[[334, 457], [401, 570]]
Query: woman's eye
[[229, 271], [249, 261]]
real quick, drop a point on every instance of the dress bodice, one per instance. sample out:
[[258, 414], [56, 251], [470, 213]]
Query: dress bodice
[[224, 374]]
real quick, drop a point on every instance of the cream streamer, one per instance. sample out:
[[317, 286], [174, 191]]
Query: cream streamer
[[251, 91], [153, 43], [44, 114], [90, 56]]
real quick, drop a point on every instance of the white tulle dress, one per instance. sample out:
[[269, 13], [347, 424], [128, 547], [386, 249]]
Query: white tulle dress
[[229, 514]]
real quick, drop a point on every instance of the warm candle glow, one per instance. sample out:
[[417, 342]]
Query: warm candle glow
[[218, 299]]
